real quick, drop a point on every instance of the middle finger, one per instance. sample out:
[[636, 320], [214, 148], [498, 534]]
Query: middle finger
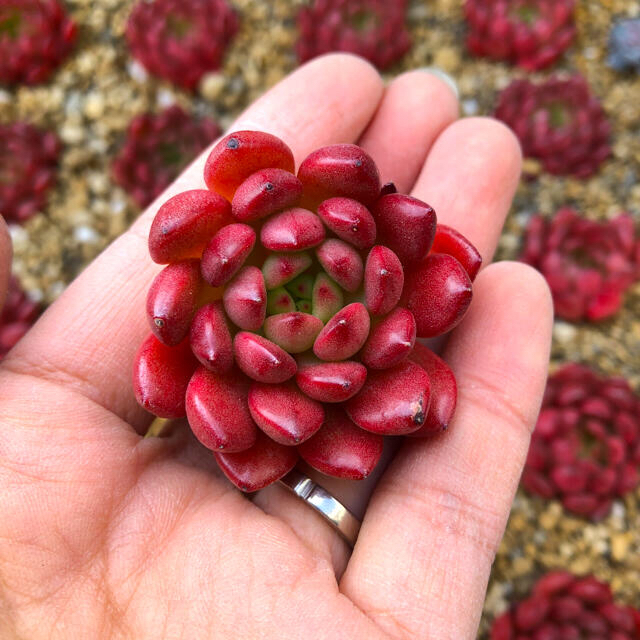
[[416, 107]]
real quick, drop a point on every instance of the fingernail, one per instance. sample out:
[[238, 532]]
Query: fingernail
[[443, 75]]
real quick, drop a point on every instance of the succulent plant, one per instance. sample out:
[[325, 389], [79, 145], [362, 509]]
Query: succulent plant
[[532, 34], [567, 607], [585, 450], [373, 29], [624, 45], [559, 122], [284, 325], [156, 149], [181, 40], [588, 265], [35, 36], [28, 167]]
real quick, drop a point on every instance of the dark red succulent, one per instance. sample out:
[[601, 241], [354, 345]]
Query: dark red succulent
[[585, 450], [588, 265], [156, 149], [181, 40], [28, 165], [563, 606], [532, 34], [284, 325], [559, 122], [373, 29], [35, 36], [16, 317]]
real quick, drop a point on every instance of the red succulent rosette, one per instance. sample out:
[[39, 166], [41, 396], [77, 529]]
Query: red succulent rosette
[[567, 607], [35, 36], [558, 122], [585, 450], [157, 148], [16, 317], [532, 34], [285, 323], [181, 40], [28, 166], [588, 265], [373, 29]]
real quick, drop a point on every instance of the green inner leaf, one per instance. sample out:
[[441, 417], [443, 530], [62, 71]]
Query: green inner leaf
[[179, 26], [527, 13], [363, 20], [10, 24], [558, 115], [170, 153]]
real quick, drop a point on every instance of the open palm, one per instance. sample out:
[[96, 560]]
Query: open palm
[[105, 534]]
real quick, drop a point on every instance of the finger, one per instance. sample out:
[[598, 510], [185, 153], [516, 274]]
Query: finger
[[6, 253], [416, 107], [470, 178], [310, 527], [422, 561], [414, 110], [470, 175], [87, 340]]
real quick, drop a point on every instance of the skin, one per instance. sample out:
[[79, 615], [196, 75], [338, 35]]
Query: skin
[[105, 534]]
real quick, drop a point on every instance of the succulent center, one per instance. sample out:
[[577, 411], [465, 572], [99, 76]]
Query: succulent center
[[591, 446], [179, 26], [363, 20], [312, 291], [559, 115], [585, 259], [526, 13], [10, 24], [170, 154]]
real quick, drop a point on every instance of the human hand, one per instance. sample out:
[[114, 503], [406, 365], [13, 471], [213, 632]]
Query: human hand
[[106, 534]]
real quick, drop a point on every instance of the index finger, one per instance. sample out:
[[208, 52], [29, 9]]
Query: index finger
[[88, 338]]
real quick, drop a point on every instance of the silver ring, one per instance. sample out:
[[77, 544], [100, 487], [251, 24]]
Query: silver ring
[[332, 510]]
